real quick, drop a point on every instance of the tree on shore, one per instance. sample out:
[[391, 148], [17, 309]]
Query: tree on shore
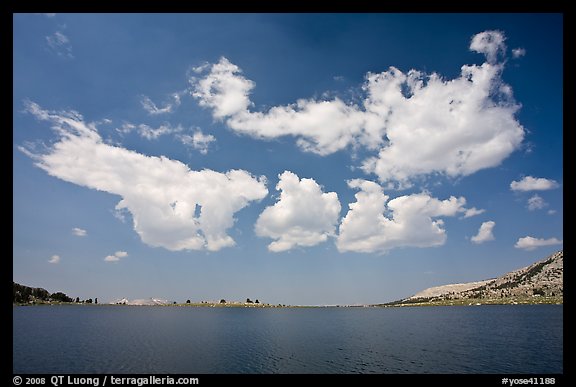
[[187, 301], [222, 301], [256, 302], [59, 296], [249, 301]]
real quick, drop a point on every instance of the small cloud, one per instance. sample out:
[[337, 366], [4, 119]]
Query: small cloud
[[530, 243], [79, 232], [116, 257], [60, 44], [148, 132], [55, 259], [472, 212], [530, 183], [126, 128], [198, 141], [120, 213], [518, 52], [489, 43], [168, 107], [551, 212], [152, 134], [536, 203], [484, 233], [57, 39]]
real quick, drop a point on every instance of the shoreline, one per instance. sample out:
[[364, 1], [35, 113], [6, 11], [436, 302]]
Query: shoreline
[[549, 300], [394, 304]]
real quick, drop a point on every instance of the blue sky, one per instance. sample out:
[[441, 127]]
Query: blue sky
[[297, 159]]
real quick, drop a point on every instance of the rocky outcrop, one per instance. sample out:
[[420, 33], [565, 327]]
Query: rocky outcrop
[[541, 279], [449, 289]]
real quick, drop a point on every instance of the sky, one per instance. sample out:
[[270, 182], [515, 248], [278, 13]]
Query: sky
[[309, 159]]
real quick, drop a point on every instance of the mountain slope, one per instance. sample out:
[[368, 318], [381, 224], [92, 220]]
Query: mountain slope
[[537, 283]]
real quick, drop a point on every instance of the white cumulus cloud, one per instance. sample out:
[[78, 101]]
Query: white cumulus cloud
[[302, 216], [116, 256], [419, 124], [485, 233], [530, 183], [531, 243], [536, 203], [198, 140], [453, 127], [374, 224], [54, 259], [171, 206], [321, 126], [79, 232]]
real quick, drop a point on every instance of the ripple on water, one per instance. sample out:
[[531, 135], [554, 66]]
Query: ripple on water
[[80, 339]]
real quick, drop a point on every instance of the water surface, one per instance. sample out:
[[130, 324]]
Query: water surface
[[142, 339]]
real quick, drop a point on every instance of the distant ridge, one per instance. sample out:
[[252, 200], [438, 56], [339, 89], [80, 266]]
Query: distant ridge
[[541, 282]]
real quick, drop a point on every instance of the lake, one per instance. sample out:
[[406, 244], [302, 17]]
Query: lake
[[143, 339]]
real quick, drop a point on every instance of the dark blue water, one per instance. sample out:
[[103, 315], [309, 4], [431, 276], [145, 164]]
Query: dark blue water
[[140, 339]]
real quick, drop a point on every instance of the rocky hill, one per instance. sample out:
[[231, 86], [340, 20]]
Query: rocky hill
[[538, 283], [22, 294], [449, 289]]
